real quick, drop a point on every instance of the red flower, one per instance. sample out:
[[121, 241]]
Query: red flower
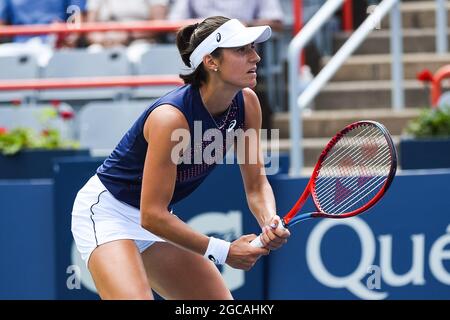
[[3, 131], [425, 76], [55, 103], [66, 115], [16, 102]]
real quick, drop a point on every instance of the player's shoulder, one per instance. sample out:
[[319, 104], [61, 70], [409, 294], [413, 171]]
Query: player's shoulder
[[249, 95], [167, 113], [251, 101], [165, 118]]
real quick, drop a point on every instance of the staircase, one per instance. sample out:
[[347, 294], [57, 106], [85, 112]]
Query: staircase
[[361, 89]]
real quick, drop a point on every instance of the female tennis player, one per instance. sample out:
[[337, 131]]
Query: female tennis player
[[122, 221]]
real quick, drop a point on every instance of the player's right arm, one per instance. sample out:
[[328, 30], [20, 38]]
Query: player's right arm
[[158, 185]]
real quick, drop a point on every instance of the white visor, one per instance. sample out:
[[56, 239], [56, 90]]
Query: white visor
[[231, 34]]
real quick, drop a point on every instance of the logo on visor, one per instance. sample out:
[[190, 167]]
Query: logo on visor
[[218, 37]]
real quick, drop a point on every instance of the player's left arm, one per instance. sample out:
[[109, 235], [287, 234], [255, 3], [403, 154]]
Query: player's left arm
[[260, 198]]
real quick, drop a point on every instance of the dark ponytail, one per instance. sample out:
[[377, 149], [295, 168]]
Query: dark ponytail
[[189, 38]]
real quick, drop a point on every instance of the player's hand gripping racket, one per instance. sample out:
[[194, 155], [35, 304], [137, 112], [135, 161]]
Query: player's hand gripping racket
[[353, 172]]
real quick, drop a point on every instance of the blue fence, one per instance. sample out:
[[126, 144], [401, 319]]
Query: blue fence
[[398, 250], [27, 240]]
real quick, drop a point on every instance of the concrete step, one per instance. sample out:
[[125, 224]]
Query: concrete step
[[327, 123], [378, 66], [369, 95], [414, 40], [417, 15], [312, 147]]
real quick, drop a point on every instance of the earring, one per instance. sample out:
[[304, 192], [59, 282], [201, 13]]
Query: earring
[[216, 69]]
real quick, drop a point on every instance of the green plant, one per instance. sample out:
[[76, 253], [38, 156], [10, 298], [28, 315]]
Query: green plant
[[12, 141], [17, 139], [431, 123]]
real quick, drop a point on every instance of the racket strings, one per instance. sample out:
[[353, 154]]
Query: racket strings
[[324, 184], [352, 181], [343, 198], [353, 172], [343, 149], [345, 203], [348, 182], [348, 190], [336, 157], [359, 199]]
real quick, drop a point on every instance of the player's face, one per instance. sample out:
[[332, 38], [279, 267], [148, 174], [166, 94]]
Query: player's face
[[238, 66]]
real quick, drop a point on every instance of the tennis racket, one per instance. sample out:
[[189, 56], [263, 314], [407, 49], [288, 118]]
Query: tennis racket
[[353, 172]]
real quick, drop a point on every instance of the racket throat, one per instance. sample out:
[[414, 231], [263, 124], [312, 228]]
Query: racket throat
[[297, 219], [298, 205]]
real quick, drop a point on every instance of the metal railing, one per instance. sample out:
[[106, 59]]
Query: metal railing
[[86, 27], [298, 102], [294, 50], [90, 82], [441, 26]]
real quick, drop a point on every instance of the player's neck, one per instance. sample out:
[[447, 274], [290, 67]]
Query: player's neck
[[216, 99]]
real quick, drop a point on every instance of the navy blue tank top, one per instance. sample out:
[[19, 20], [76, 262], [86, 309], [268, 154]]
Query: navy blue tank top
[[122, 171]]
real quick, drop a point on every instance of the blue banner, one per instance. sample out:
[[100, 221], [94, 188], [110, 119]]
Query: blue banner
[[73, 280], [399, 249], [27, 240]]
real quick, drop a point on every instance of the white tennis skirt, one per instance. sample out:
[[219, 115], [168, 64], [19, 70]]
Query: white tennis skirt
[[98, 218]]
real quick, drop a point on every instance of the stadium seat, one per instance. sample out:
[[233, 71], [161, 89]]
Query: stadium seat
[[158, 60], [84, 64], [22, 66], [103, 124], [33, 117]]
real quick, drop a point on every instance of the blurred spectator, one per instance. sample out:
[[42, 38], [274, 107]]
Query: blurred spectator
[[324, 38], [361, 10], [24, 12], [124, 10], [250, 12]]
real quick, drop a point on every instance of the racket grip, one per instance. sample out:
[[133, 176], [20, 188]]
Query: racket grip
[[257, 241]]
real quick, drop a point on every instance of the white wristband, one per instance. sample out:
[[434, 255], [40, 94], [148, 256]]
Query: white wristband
[[217, 250]]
